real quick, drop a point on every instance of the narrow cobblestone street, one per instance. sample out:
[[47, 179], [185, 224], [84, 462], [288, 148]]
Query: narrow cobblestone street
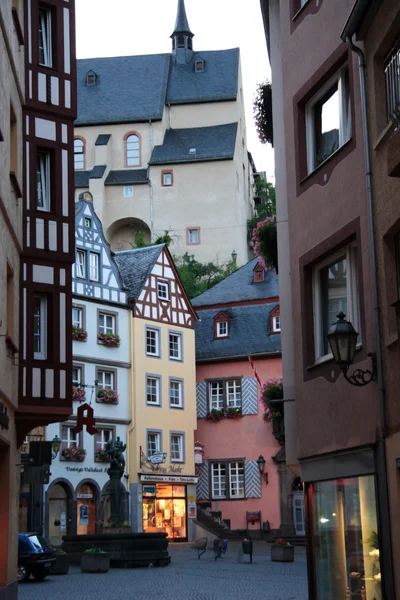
[[187, 578]]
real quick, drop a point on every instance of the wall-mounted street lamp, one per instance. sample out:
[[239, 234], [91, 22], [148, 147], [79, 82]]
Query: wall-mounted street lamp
[[55, 446], [234, 255], [261, 466], [342, 339]]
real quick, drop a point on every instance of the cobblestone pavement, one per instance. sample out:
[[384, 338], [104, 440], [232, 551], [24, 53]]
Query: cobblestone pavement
[[186, 578]]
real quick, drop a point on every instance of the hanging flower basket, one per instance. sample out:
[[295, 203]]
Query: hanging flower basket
[[78, 394], [271, 390], [79, 334], [102, 456], [234, 413], [111, 340], [215, 415], [75, 453], [265, 242], [107, 396]]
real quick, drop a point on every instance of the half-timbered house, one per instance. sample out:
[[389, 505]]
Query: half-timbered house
[[76, 496], [161, 439]]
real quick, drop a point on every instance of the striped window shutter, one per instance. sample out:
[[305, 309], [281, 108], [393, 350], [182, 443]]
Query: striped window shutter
[[252, 479], [249, 396], [201, 399], [203, 488]]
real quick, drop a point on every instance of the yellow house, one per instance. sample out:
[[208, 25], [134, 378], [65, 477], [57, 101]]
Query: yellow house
[[160, 454]]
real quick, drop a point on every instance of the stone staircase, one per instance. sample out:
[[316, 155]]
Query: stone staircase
[[212, 521]]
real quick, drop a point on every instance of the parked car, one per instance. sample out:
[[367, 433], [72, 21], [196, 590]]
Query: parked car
[[35, 556]]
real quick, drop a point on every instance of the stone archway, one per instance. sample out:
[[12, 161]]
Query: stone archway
[[60, 514], [122, 234]]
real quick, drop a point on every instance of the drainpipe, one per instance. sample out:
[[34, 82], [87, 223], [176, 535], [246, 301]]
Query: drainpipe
[[381, 466], [151, 207]]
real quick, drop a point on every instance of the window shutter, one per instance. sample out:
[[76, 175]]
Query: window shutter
[[203, 485], [252, 479], [249, 396], [201, 399]]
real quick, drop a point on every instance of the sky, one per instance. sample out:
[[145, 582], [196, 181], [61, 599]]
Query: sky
[[130, 27]]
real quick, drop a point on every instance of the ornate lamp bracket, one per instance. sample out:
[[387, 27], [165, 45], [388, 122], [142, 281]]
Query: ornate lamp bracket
[[360, 377]]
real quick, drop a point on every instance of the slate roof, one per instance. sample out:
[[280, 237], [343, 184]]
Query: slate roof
[[97, 172], [211, 143], [82, 179], [240, 287], [127, 89], [127, 177], [132, 89], [102, 139], [135, 266], [249, 329]]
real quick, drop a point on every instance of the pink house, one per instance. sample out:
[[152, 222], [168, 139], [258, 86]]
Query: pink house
[[239, 318]]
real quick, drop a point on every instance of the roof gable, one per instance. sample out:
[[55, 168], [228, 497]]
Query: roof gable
[[135, 266]]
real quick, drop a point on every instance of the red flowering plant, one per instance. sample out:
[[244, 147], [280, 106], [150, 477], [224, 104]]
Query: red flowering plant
[[265, 243], [78, 393], [233, 413], [102, 456], [215, 415], [74, 453], [281, 542], [111, 340], [107, 396], [79, 334], [271, 391]]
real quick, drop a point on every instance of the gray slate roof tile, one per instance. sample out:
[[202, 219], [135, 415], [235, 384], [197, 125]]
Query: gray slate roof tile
[[135, 266], [211, 143], [102, 139], [82, 179], [97, 172], [127, 177]]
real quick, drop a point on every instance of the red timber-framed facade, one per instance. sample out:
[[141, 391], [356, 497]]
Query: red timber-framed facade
[[48, 215]]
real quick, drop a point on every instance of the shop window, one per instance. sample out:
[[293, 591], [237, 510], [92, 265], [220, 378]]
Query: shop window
[[153, 442], [81, 264], [328, 119], [164, 510], [175, 346], [153, 390], [177, 447], [227, 480], [46, 36], [43, 180], [335, 289], [94, 266], [79, 154], [40, 313], [106, 323], [225, 394], [163, 290], [345, 529], [86, 497], [152, 341], [132, 150], [176, 393]]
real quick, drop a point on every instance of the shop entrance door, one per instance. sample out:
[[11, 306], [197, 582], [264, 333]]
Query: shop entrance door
[[86, 509], [58, 513], [298, 516]]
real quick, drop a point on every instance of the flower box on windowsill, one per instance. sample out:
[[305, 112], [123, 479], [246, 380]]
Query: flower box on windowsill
[[79, 334], [74, 454], [111, 340], [102, 456], [234, 413], [107, 396], [215, 415], [78, 394]]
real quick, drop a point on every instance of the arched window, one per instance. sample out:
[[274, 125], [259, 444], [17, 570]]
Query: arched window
[[132, 150], [79, 154]]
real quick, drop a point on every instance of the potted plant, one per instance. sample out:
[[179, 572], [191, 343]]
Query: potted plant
[[95, 560], [215, 415], [78, 394], [233, 413], [282, 551], [74, 453], [107, 396], [265, 243], [271, 390], [79, 334], [102, 456], [111, 340], [60, 566]]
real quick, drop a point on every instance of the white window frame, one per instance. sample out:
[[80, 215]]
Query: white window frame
[[94, 266], [100, 440], [236, 478], [180, 438], [88, 223], [69, 439], [78, 380], [43, 179], [132, 145], [79, 321], [162, 285], [221, 325], [156, 332], [167, 179], [231, 475], [276, 324], [233, 389], [103, 325], [157, 440], [42, 333], [216, 400], [79, 154], [171, 351], [155, 383], [218, 479], [102, 379], [193, 231], [45, 36], [352, 295], [344, 115], [173, 398], [81, 263], [128, 191]]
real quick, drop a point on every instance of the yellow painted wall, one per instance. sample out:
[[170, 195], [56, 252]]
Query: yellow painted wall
[[163, 418]]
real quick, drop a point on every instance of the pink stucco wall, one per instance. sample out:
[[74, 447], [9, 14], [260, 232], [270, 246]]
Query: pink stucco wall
[[247, 437]]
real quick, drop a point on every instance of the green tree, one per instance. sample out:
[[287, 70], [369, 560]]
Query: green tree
[[265, 190], [198, 277]]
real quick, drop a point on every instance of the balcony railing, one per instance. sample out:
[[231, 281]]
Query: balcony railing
[[392, 74]]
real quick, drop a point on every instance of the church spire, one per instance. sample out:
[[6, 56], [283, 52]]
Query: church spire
[[182, 36]]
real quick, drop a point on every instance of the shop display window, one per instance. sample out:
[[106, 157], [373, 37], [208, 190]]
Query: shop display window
[[345, 539], [164, 509]]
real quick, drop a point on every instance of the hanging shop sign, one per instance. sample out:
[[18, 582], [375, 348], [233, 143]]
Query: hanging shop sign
[[85, 416], [157, 458], [168, 478]]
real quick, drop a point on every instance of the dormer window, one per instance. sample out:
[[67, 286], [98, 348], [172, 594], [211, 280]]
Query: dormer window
[[275, 323], [199, 66], [90, 78], [221, 326], [222, 329], [258, 273]]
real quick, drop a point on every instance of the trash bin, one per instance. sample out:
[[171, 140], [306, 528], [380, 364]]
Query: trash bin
[[247, 547]]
